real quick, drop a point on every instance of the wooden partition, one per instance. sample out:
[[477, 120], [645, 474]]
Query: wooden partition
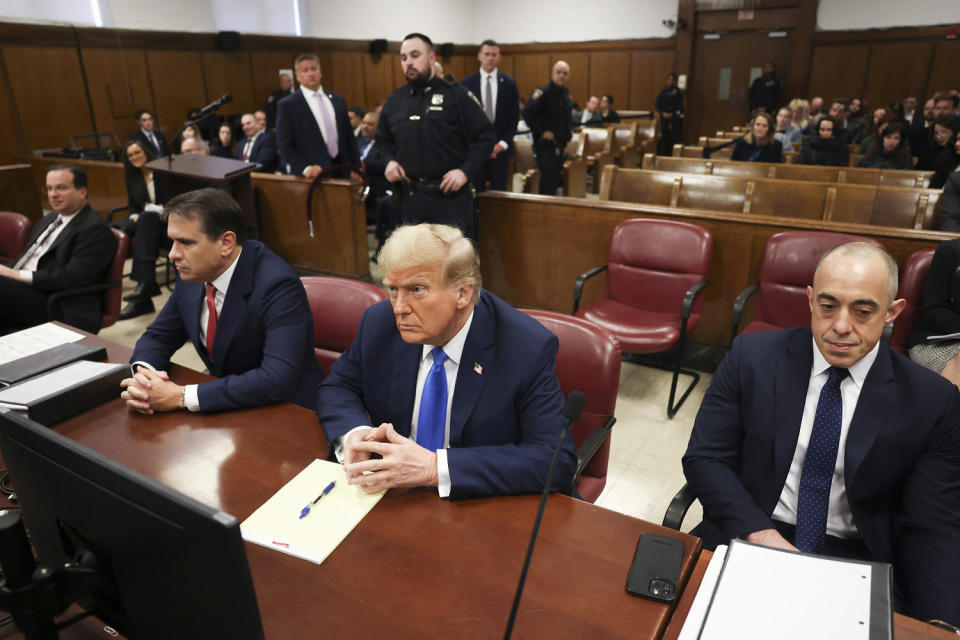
[[532, 248], [903, 207], [19, 191], [339, 220], [813, 173]]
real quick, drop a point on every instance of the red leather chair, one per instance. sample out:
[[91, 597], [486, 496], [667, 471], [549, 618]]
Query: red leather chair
[[588, 361], [110, 286], [337, 304], [786, 269], [14, 229], [913, 279], [656, 273]]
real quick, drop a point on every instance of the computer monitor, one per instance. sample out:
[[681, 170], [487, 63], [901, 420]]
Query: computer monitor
[[167, 566]]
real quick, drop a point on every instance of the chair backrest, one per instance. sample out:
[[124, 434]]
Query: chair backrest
[[525, 160], [786, 270], [652, 263], [337, 304], [625, 134], [574, 148], [588, 361], [112, 298], [597, 140], [14, 229], [913, 279]]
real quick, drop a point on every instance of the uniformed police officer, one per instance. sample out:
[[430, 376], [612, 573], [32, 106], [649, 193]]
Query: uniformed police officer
[[433, 134], [548, 116]]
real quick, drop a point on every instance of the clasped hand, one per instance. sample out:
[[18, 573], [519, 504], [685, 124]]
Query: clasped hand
[[151, 391], [403, 463]]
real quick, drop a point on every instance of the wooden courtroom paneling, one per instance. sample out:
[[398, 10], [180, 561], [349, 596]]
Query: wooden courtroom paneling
[[48, 86], [344, 74], [895, 69], [19, 191], [945, 72], [531, 70], [458, 66], [119, 85], [838, 71], [229, 72], [265, 66], [648, 75], [12, 143], [178, 86], [579, 79], [506, 64], [533, 247], [608, 74], [378, 77]]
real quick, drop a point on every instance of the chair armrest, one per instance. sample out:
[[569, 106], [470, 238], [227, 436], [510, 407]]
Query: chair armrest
[[738, 305], [113, 211], [56, 297], [578, 285], [588, 448], [688, 297], [678, 507]]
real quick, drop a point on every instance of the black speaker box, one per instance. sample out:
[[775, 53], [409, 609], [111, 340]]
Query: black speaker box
[[228, 41], [446, 49], [378, 46]]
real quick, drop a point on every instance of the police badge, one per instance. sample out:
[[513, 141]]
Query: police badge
[[436, 98]]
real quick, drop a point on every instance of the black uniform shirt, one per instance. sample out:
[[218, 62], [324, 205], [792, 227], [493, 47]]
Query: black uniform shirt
[[432, 129], [549, 110]]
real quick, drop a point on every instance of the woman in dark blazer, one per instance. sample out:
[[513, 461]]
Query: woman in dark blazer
[[759, 145], [828, 147], [224, 145], [892, 152]]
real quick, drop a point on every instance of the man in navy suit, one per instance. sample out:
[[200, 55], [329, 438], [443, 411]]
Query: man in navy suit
[[242, 307], [451, 386], [313, 129], [881, 479], [69, 248], [257, 145], [149, 135], [501, 102]]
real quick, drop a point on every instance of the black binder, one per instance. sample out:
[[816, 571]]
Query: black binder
[[29, 366], [59, 404]]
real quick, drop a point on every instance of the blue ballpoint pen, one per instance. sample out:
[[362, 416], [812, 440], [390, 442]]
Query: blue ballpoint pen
[[306, 509]]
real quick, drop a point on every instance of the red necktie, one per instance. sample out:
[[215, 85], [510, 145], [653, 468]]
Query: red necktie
[[211, 316]]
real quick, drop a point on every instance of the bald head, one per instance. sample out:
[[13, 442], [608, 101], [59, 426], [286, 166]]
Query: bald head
[[877, 257], [561, 72]]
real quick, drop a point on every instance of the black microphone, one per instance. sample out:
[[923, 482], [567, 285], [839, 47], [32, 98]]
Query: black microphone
[[572, 409], [213, 106]]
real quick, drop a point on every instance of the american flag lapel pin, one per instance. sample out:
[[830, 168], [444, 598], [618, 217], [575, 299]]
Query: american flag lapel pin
[[477, 368]]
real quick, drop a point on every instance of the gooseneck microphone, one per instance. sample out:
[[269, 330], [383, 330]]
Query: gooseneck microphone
[[213, 106], [572, 409]]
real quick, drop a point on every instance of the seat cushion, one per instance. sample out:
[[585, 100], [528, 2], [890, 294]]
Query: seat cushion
[[638, 330], [590, 488]]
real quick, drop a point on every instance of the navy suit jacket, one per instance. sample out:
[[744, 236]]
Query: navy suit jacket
[[164, 150], [507, 111], [505, 418], [264, 151], [901, 464], [263, 349], [300, 140]]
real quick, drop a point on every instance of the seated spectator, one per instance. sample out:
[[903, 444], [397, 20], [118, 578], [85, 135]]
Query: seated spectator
[[815, 107], [828, 147], [257, 145], [149, 134], [192, 131], [941, 314], [759, 144], [950, 204], [937, 154], [355, 114], [856, 120], [787, 133], [892, 153], [879, 120], [948, 160], [909, 107], [195, 147], [223, 146], [145, 225], [798, 114], [606, 109], [590, 116]]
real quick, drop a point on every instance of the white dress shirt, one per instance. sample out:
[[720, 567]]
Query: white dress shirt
[[494, 87], [26, 271], [221, 284], [248, 146], [314, 103], [839, 519]]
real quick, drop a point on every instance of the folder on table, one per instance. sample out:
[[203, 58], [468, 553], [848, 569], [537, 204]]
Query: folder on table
[[66, 391]]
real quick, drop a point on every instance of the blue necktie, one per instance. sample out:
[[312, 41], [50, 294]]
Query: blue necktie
[[433, 405], [818, 466]]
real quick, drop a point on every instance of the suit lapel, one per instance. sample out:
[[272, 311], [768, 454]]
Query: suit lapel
[[477, 350], [68, 231], [792, 380], [234, 306], [872, 410], [403, 386]]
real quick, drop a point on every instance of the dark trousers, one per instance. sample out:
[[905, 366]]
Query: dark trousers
[[671, 133], [151, 234], [550, 163], [849, 548], [495, 171], [23, 306], [454, 209]]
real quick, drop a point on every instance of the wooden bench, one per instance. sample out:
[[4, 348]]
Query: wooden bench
[[533, 248], [626, 146], [814, 173], [575, 167], [696, 151], [902, 207], [525, 170]]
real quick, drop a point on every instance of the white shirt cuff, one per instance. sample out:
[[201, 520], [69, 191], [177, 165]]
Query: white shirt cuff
[[190, 400], [503, 143], [443, 474], [25, 276], [337, 444], [140, 363]]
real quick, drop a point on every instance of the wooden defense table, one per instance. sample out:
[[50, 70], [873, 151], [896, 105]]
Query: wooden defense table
[[416, 566], [904, 628]]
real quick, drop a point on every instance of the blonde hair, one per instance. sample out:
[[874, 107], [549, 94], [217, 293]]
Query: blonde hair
[[414, 245], [804, 111]]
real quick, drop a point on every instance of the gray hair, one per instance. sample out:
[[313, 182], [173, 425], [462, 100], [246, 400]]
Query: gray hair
[[866, 250]]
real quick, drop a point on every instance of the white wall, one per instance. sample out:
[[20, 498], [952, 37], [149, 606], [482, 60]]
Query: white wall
[[79, 12], [836, 15]]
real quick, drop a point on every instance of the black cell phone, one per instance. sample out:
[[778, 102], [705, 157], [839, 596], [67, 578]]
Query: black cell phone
[[655, 572]]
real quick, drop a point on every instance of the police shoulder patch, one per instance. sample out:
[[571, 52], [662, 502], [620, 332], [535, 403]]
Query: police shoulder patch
[[536, 94], [470, 93]]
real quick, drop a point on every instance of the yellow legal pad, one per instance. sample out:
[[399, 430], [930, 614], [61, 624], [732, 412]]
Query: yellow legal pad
[[277, 524]]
